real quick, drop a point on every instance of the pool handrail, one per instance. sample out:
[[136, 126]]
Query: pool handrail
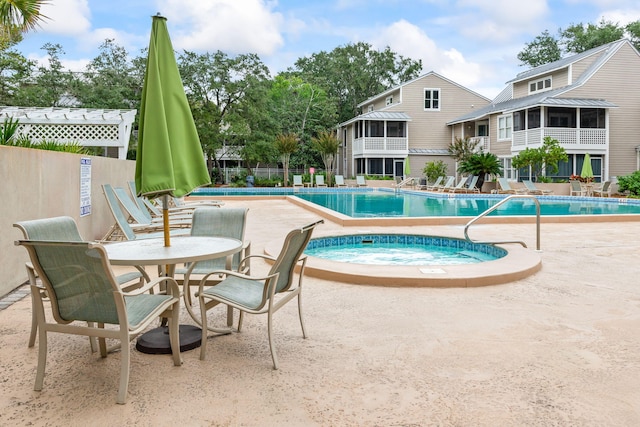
[[494, 207]]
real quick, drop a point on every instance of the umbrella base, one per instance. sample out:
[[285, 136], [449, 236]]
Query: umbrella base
[[156, 341]]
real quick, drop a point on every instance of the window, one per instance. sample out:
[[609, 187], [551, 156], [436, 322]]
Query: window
[[432, 99], [374, 128], [508, 171], [561, 117], [389, 100], [540, 85], [370, 108], [592, 118], [533, 118], [518, 121], [395, 129], [504, 127]]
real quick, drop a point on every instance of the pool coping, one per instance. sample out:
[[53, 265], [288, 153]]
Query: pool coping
[[519, 263]]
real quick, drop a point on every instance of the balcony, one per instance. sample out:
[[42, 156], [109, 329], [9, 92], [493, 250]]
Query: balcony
[[484, 143], [592, 140], [381, 146]]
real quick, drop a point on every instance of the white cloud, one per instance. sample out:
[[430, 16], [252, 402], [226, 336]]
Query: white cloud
[[66, 17], [620, 16], [234, 26]]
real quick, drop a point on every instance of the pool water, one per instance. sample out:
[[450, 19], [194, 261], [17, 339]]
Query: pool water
[[392, 249]]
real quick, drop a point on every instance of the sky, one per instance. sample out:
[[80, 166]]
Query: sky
[[471, 42]]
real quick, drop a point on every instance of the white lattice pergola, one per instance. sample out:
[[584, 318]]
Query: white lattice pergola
[[86, 126]]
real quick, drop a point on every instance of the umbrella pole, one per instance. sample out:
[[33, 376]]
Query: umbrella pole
[[165, 220]]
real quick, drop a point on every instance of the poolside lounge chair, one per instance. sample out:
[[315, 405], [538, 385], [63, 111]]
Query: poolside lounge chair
[[339, 181], [447, 185], [265, 294], [214, 222], [576, 189], [146, 206], [320, 181], [460, 186], [505, 187], [470, 187], [361, 181], [64, 228], [421, 183], [436, 184], [297, 181], [603, 191], [532, 189], [78, 279]]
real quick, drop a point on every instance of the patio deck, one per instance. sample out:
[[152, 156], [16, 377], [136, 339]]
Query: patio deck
[[557, 348]]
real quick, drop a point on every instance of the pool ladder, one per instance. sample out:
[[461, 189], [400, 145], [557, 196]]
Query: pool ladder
[[496, 206]]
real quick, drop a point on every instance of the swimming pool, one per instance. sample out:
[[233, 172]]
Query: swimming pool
[[386, 203], [402, 249]]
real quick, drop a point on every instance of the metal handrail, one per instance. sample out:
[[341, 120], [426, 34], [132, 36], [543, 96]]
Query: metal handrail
[[500, 203]]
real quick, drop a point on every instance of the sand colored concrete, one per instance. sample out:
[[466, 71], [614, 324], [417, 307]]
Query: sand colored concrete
[[560, 347]]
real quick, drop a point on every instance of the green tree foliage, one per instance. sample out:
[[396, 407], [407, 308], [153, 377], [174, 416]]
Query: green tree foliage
[[432, 170], [327, 144], [630, 183], [481, 164], [545, 157], [17, 17], [285, 145], [15, 73], [353, 73], [576, 38], [462, 148]]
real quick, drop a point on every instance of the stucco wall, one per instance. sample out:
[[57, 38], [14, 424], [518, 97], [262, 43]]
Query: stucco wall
[[40, 184]]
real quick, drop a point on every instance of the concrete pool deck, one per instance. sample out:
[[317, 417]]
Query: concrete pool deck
[[559, 347]]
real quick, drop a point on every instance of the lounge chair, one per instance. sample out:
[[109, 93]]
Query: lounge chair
[[421, 183], [361, 181], [603, 191], [214, 222], [470, 187], [447, 185], [265, 294], [436, 184], [122, 230], [576, 189], [339, 181], [65, 229], [146, 206], [320, 181], [297, 181], [460, 186], [532, 189], [78, 279], [505, 187]]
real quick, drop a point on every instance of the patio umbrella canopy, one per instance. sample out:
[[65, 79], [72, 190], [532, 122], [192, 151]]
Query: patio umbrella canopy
[[587, 171], [169, 160]]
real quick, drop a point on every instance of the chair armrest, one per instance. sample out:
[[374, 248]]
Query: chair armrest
[[172, 286]]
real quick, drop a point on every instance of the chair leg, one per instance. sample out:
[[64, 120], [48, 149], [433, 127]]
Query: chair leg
[[240, 319], [34, 320], [125, 355], [102, 342], [272, 346], [42, 358], [304, 331], [203, 319], [229, 316], [174, 335]]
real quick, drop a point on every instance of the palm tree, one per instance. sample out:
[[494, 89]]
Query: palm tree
[[481, 164], [327, 145], [286, 144], [19, 16]]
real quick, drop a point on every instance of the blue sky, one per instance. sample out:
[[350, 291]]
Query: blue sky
[[472, 42]]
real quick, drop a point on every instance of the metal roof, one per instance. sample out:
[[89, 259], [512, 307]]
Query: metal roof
[[380, 115], [438, 151]]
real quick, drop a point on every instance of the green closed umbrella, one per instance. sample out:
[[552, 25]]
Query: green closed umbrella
[[169, 160], [587, 170], [407, 168]]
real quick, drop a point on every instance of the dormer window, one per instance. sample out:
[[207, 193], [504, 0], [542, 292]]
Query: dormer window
[[370, 108], [389, 100], [540, 85]]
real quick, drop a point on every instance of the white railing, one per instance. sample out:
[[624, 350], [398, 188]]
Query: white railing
[[371, 145], [574, 138], [484, 143]]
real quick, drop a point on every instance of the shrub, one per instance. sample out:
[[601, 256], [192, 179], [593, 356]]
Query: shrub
[[630, 183], [432, 170]]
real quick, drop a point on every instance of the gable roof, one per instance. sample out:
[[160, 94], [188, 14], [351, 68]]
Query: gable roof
[[400, 86]]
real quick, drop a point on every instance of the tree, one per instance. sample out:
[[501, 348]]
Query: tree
[[327, 144], [17, 17], [481, 164], [462, 148], [432, 170], [355, 72], [543, 158], [15, 72], [285, 145], [543, 49]]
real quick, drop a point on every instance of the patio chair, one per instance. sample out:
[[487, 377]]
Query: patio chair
[[436, 184], [603, 191], [361, 181], [576, 189], [297, 181], [64, 228], [122, 230], [505, 187], [532, 189], [460, 186], [265, 294], [214, 222], [339, 181], [79, 281], [447, 185], [320, 181]]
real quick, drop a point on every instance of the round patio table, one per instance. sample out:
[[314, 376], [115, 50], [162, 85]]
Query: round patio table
[[153, 252]]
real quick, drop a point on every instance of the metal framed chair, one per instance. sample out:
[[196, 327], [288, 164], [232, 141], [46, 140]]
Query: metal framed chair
[[264, 294], [81, 286]]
